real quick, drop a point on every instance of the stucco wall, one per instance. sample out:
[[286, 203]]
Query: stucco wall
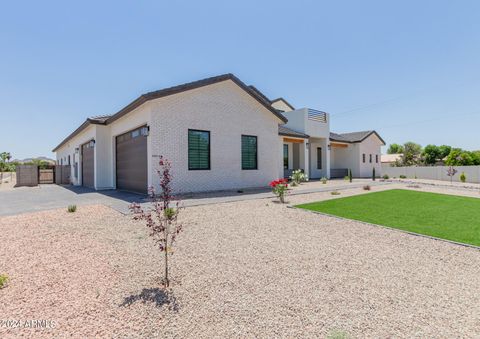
[[346, 157], [281, 105], [63, 152], [371, 145], [472, 173], [227, 112]]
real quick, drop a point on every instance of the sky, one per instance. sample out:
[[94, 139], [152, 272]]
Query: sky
[[408, 69]]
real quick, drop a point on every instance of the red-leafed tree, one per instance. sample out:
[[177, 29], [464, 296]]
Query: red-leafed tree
[[161, 218]]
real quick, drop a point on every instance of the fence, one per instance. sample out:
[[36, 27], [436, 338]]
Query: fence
[[62, 174], [433, 172], [27, 175]]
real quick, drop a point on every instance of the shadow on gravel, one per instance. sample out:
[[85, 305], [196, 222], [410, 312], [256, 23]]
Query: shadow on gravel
[[153, 295]]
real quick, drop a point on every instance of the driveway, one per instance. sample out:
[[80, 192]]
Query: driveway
[[45, 197]]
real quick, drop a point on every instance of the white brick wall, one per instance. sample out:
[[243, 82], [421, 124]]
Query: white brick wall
[[224, 109], [227, 112]]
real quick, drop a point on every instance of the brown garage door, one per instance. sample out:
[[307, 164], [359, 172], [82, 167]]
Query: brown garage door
[[88, 164], [131, 160]]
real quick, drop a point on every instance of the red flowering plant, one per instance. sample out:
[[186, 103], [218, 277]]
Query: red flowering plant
[[279, 187], [161, 218]]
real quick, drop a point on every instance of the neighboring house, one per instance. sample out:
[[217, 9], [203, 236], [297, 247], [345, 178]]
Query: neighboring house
[[218, 134], [391, 159]]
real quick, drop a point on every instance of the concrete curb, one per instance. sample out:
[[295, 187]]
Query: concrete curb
[[388, 228]]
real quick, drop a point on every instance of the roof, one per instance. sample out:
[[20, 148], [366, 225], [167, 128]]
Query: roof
[[107, 119], [259, 93], [285, 101], [354, 137], [390, 157], [282, 130]]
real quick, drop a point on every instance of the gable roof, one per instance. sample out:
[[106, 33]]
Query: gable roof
[[285, 102], [108, 119], [288, 132], [354, 137]]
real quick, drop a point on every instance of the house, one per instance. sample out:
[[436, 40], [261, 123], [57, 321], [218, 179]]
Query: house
[[218, 134], [391, 159]]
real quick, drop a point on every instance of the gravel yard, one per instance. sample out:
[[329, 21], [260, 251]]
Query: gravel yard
[[242, 269]]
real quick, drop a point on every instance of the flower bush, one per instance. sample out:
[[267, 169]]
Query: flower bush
[[279, 187], [298, 177]]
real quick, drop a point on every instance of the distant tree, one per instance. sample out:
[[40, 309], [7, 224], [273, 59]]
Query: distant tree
[[460, 157], [42, 164], [395, 149], [411, 153], [430, 154], [444, 151]]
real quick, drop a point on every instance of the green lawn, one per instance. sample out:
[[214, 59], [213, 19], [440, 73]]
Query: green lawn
[[439, 215]]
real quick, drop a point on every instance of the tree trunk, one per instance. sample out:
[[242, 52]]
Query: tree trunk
[[167, 282]]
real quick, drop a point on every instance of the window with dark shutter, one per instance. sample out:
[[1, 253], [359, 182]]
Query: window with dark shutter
[[249, 152], [370, 158], [319, 158], [285, 156], [198, 150], [363, 156], [376, 158]]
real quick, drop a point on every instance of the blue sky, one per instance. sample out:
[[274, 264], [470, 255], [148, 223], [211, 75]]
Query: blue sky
[[409, 69]]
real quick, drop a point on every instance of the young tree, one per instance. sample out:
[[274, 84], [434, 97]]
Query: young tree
[[4, 159], [451, 172], [395, 149], [161, 218]]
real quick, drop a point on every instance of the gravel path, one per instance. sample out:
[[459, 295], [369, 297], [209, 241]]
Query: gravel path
[[243, 269]]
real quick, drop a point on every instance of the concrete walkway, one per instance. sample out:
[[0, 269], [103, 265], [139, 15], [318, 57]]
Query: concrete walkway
[[45, 197]]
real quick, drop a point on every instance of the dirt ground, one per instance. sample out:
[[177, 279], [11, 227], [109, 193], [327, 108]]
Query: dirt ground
[[252, 268]]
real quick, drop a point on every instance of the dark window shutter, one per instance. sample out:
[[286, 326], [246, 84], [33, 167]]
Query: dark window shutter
[[198, 150], [249, 152]]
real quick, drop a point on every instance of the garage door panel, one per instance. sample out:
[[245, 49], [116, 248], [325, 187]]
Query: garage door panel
[[88, 168], [131, 162]]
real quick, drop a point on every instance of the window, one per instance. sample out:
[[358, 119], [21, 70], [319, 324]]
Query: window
[[68, 160], [285, 156], [198, 150], [249, 152], [319, 158], [376, 158], [363, 156], [370, 158]]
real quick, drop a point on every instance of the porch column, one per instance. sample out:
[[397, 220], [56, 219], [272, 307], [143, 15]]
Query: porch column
[[306, 157], [327, 158]]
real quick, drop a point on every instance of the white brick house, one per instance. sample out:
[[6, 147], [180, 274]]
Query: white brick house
[[218, 133]]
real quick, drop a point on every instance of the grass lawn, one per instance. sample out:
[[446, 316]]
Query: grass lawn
[[439, 215]]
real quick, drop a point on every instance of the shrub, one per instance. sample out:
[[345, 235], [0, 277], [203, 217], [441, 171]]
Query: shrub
[[346, 178], [279, 187], [463, 177], [161, 219], [366, 188], [298, 177], [401, 176], [373, 174], [72, 208], [338, 334], [386, 177], [323, 180], [350, 175], [335, 193], [3, 280]]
